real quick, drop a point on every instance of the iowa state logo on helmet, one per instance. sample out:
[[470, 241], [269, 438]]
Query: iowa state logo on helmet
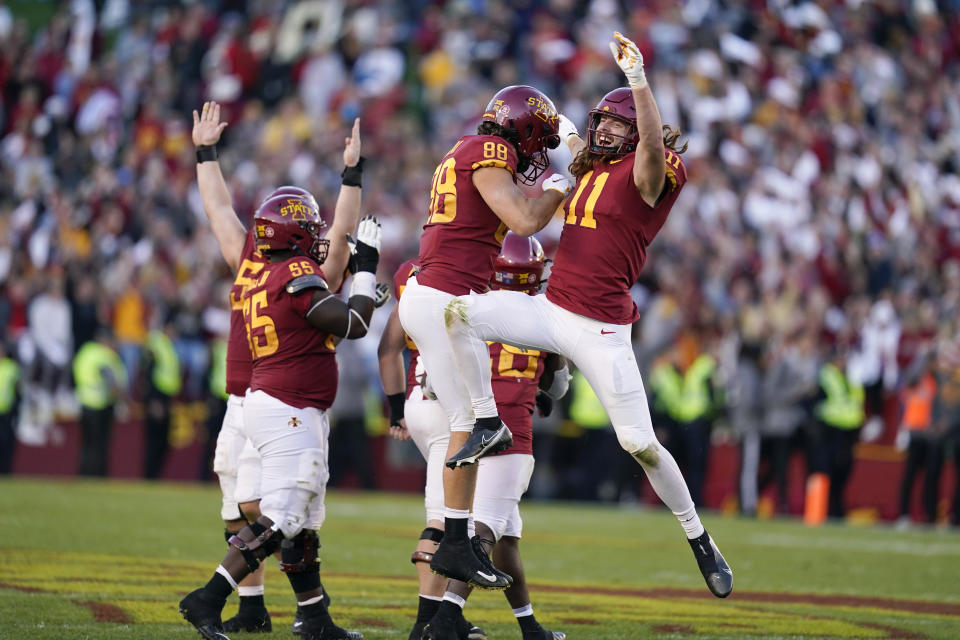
[[499, 111]]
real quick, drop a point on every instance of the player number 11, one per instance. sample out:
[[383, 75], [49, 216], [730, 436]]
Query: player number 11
[[587, 220]]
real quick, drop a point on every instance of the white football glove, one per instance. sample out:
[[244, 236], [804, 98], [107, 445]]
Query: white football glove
[[369, 232], [628, 56], [567, 129], [558, 182], [365, 249]]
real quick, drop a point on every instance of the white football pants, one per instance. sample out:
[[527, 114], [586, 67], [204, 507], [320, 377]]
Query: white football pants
[[293, 449], [421, 312], [601, 351]]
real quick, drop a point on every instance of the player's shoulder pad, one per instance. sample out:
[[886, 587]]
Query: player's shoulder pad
[[302, 283]]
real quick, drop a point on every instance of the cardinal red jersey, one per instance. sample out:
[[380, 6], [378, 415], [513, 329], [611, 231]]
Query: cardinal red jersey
[[605, 236], [403, 273], [462, 236], [239, 362], [516, 373], [292, 361]]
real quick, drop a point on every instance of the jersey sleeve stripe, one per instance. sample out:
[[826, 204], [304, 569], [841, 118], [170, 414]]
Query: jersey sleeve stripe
[[492, 163]]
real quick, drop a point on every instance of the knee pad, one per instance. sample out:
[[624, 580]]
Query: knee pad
[[311, 477], [299, 554], [430, 533], [256, 541]]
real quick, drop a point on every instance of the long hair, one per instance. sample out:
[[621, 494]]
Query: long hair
[[587, 161]]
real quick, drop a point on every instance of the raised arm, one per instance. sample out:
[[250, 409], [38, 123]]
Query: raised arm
[[347, 211], [522, 215], [649, 166], [351, 319], [224, 222]]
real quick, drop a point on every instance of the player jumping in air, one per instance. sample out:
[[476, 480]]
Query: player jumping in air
[[629, 173]]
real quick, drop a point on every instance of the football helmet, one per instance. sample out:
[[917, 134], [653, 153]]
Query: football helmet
[[617, 104], [519, 267], [290, 223], [532, 125], [291, 190]]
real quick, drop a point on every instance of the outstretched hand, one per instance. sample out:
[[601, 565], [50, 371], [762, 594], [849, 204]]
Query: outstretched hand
[[206, 125], [628, 56], [351, 151]]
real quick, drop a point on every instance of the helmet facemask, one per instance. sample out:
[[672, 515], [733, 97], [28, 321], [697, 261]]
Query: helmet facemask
[[622, 144]]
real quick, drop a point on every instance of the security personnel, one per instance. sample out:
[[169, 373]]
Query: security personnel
[[9, 401], [163, 385], [216, 403], [684, 396], [100, 378], [840, 412], [590, 444]]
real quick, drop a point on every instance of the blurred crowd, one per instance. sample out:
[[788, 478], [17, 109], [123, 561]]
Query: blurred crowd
[[821, 221]]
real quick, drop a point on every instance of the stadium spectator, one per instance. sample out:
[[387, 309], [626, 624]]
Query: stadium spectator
[[685, 392], [840, 411], [9, 401], [101, 383], [163, 379]]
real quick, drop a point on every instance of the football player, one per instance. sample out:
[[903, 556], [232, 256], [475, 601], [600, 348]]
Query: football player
[[299, 230], [474, 200], [522, 379], [629, 173]]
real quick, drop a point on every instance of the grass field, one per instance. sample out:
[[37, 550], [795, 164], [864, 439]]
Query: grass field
[[88, 560]]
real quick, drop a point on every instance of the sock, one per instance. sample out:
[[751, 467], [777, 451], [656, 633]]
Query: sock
[[528, 623], [455, 523], [491, 422], [314, 610], [426, 609], [485, 409], [691, 524], [219, 587], [449, 609], [251, 603]]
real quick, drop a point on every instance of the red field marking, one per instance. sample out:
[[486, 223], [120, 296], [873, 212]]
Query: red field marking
[[910, 606], [371, 622], [17, 587], [672, 628], [587, 621], [894, 633], [104, 612]]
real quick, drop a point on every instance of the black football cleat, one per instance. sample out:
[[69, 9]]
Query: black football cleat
[[256, 621], [298, 616], [544, 634], [714, 568], [458, 559], [297, 625], [481, 442], [466, 630], [203, 613], [326, 630], [440, 629]]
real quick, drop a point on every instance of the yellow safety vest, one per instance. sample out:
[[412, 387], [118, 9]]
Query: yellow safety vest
[[218, 368], [166, 363], [92, 388], [585, 407], [9, 376], [843, 408], [684, 398]]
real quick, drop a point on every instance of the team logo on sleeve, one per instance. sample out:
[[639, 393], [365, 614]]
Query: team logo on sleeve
[[295, 422]]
